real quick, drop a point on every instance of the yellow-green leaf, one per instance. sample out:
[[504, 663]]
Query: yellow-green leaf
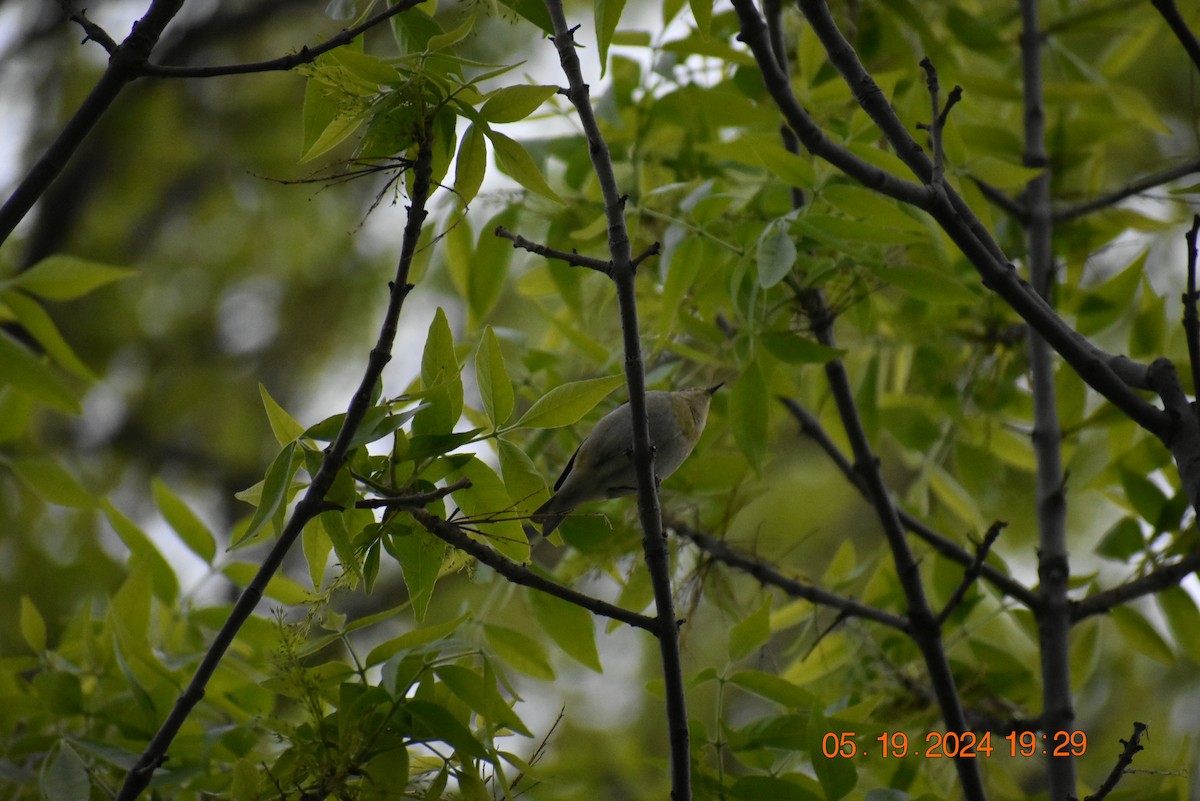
[[517, 163], [31, 376], [187, 525], [62, 277], [283, 425], [495, 387], [513, 103], [568, 403], [33, 627]]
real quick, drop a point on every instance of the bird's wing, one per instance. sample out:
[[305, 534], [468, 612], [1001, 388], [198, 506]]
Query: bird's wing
[[567, 470]]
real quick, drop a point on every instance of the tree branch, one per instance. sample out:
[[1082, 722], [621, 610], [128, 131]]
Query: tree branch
[[767, 574], [313, 501], [947, 548], [1112, 376], [1149, 584], [1054, 572], [654, 542], [517, 573], [1132, 746], [1179, 27], [1191, 319], [574, 258], [1129, 190], [125, 64], [305, 55], [91, 30]]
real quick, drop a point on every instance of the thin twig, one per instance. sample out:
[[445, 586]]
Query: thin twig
[[937, 119], [1191, 320], [994, 195], [91, 30], [313, 501], [1131, 747], [573, 258], [305, 55], [971, 574], [417, 499], [767, 574]]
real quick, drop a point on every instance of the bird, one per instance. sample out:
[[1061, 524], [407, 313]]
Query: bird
[[602, 466]]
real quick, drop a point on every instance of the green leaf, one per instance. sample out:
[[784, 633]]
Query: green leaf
[[420, 555], [143, 551], [316, 544], [523, 481], [702, 12], [329, 115], [64, 776], [414, 29], [274, 495], [495, 387], [1138, 632], [414, 639], [795, 349], [440, 374], [28, 375], [773, 688], [440, 724], [451, 38], [780, 162], [490, 511], [479, 692], [514, 159], [51, 482], [1123, 541], [570, 626], [520, 651], [534, 11], [1145, 497], [956, 498], [608, 16], [837, 776], [748, 415], [751, 632], [34, 319], [923, 283], [283, 425], [471, 165], [775, 788], [514, 103], [33, 627], [1183, 619], [1002, 174], [279, 587], [61, 277], [187, 525], [568, 403], [776, 253]]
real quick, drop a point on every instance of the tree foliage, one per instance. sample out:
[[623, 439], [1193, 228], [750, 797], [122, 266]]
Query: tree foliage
[[941, 522]]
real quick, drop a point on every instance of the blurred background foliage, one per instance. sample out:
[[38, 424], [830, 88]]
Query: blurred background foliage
[[244, 272]]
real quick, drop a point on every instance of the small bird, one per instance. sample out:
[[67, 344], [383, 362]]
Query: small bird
[[602, 466]]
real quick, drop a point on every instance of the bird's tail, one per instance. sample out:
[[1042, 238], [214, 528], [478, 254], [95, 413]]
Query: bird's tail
[[549, 516]]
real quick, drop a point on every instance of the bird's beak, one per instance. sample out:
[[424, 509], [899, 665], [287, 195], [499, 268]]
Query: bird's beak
[[713, 389]]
